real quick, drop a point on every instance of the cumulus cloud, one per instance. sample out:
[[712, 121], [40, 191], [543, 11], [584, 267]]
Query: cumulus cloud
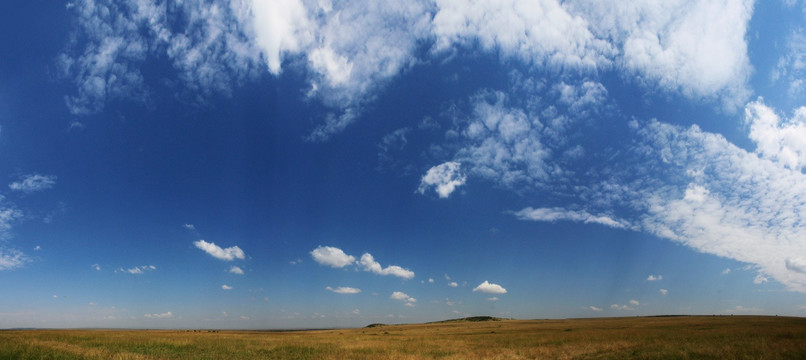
[[559, 214], [165, 315], [226, 287], [594, 308], [228, 254], [343, 290], [654, 278], [664, 292], [487, 287], [401, 296], [780, 140], [235, 270], [453, 284], [33, 183], [369, 264], [444, 178], [331, 256]]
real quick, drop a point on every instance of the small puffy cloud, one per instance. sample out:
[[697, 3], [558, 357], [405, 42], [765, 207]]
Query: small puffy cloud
[[593, 308], [654, 278], [343, 290], [726, 271], [33, 183], [96, 267], [165, 315], [226, 287], [430, 280], [664, 292], [489, 288], [369, 264], [235, 270], [634, 302], [453, 284], [331, 256], [444, 178], [190, 227], [760, 279], [137, 270], [401, 296], [228, 254]]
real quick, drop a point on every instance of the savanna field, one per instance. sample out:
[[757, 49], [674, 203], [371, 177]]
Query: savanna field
[[683, 337]]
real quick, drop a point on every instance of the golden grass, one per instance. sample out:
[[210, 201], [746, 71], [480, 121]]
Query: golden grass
[[737, 337]]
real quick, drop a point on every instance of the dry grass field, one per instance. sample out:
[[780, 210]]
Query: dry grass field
[[733, 337]]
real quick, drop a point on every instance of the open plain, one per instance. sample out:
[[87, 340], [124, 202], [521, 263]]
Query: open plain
[[672, 337]]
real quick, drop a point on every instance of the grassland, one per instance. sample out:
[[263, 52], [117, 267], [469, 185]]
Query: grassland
[[734, 337]]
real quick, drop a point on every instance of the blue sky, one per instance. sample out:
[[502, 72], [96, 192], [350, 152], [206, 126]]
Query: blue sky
[[302, 163]]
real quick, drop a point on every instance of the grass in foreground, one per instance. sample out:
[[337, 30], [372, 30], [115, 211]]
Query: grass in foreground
[[737, 337]]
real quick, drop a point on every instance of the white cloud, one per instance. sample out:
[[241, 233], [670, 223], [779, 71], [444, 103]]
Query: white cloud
[[226, 287], [780, 140], [559, 214], [760, 279], [537, 32], [791, 66], [696, 47], [369, 264], [635, 303], [489, 288], [621, 307], [401, 296], [593, 308], [235, 270], [343, 290], [228, 254], [430, 280], [11, 259], [331, 256], [726, 271], [723, 200], [444, 178], [33, 183], [356, 312], [190, 227], [96, 267], [494, 298], [165, 315], [453, 284], [137, 270], [654, 278], [664, 292]]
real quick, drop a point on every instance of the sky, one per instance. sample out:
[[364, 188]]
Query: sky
[[276, 164]]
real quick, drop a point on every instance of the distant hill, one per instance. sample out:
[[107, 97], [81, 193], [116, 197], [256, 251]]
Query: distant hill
[[469, 319]]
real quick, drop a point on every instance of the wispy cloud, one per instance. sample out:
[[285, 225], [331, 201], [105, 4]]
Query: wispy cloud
[[33, 183], [137, 270], [490, 288], [343, 290], [654, 278], [11, 259], [559, 214], [663, 292], [228, 254], [593, 308], [226, 287], [165, 315]]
